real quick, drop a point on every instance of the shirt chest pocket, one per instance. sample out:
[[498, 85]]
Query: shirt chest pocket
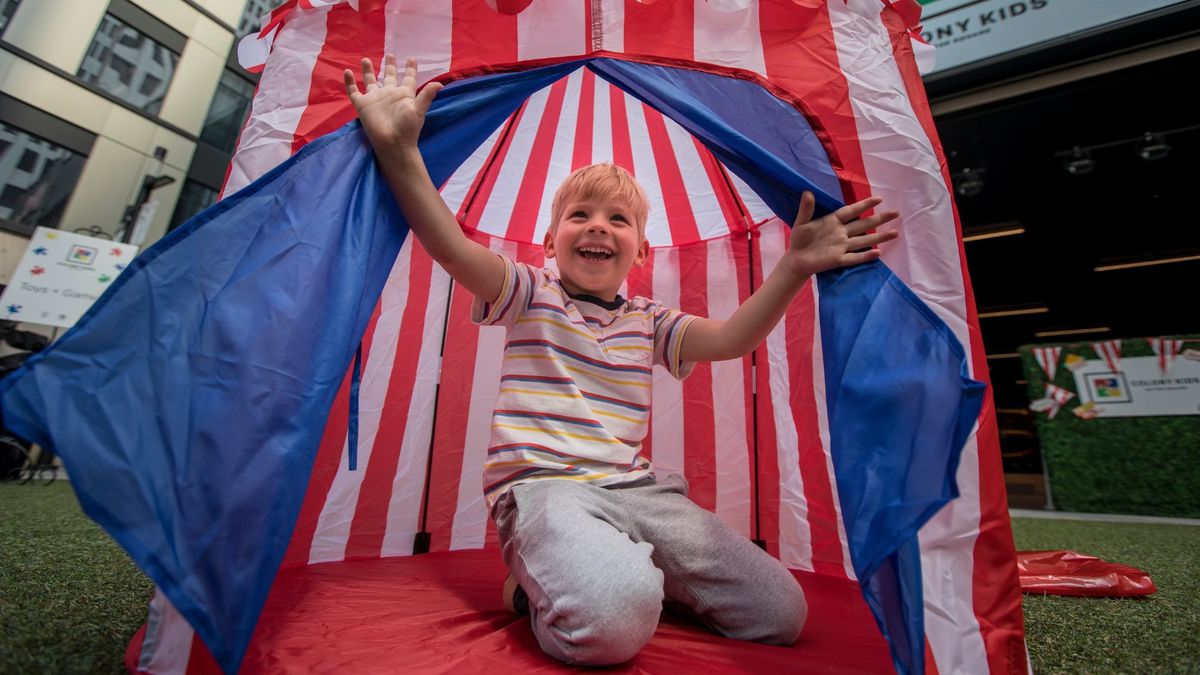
[[629, 346]]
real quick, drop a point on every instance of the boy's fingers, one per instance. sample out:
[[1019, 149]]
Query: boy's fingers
[[866, 224], [351, 83], [410, 74], [850, 212], [368, 73], [807, 204], [390, 78], [868, 240], [426, 95], [859, 257]]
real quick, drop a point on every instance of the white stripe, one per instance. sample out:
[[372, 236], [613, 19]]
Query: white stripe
[[819, 394], [729, 38], [612, 26], [658, 232], [168, 643], [734, 494], [281, 99], [548, 28], [337, 513], [404, 506], [421, 30], [460, 182], [903, 169], [700, 192], [795, 536], [560, 154], [470, 514], [666, 407], [602, 139], [497, 212]]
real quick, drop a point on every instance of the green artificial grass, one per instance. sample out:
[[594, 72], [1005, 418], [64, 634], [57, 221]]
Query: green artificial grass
[[70, 599], [1159, 633]]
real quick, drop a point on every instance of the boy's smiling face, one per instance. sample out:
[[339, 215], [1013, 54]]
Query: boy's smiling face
[[596, 241]]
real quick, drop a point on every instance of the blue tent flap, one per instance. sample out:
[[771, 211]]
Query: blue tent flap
[[901, 406]]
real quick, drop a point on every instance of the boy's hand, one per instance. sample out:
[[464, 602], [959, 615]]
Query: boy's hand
[[391, 111], [838, 239]]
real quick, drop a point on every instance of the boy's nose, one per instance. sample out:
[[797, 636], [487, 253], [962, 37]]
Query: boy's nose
[[597, 225]]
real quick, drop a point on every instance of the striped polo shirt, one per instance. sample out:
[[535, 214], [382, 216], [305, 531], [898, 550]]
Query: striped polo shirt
[[574, 399]]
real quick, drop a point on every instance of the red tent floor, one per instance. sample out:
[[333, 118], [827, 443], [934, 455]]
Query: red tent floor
[[442, 613]]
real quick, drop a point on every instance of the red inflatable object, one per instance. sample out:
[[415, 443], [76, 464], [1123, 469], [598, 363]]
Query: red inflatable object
[[1071, 573], [442, 613]]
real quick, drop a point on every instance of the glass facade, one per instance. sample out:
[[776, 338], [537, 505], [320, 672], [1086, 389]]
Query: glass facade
[[37, 178], [193, 198], [255, 10], [7, 8], [129, 65], [228, 112]]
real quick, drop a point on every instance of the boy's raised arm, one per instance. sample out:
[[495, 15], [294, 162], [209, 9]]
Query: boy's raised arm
[[838, 239], [392, 113]]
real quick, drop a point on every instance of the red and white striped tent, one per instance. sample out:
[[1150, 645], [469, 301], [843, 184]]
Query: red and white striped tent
[[751, 436]]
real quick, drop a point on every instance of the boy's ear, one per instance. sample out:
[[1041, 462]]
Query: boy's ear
[[643, 252], [548, 243]]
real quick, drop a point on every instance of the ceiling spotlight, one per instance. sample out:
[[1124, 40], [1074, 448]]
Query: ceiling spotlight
[[1153, 147], [968, 183], [1080, 163]]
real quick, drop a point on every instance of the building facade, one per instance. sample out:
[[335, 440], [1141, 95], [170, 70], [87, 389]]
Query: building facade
[[98, 98]]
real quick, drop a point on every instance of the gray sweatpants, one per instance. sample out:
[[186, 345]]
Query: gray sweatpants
[[597, 562]]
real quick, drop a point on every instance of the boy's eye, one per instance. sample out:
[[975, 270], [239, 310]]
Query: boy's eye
[[619, 218], [579, 214]]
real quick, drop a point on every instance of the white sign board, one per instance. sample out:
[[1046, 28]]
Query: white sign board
[[964, 30], [1140, 388], [61, 275]]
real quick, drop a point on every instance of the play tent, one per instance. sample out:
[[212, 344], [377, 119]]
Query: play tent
[[318, 404]]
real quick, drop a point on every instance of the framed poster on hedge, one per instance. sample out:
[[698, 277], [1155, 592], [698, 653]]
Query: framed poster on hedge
[[1140, 388]]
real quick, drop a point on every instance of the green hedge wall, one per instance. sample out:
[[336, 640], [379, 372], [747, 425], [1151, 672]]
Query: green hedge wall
[[1138, 465]]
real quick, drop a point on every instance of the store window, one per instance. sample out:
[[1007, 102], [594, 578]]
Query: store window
[[253, 12], [37, 178], [129, 65], [7, 9], [193, 198], [228, 112]]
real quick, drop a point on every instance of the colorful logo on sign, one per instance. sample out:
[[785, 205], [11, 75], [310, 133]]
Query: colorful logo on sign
[[81, 255], [1108, 387]]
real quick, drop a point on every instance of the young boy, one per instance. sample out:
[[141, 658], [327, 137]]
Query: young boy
[[594, 541]]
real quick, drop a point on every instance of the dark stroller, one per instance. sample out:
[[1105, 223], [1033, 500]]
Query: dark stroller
[[17, 460]]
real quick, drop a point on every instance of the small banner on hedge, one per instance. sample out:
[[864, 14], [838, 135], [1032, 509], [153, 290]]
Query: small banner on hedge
[[1047, 358], [1139, 388]]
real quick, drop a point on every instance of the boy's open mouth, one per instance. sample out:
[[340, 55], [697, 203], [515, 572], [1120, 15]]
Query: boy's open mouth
[[595, 253]]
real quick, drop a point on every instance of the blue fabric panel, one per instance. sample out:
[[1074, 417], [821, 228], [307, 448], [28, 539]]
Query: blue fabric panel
[[765, 141], [900, 406]]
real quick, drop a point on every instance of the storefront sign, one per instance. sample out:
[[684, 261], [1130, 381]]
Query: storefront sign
[[61, 275], [964, 31], [1140, 388]]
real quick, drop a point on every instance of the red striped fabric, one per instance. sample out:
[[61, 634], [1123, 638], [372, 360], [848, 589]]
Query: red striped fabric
[[371, 512], [481, 36], [801, 46], [458, 369], [698, 441], [349, 36], [533, 179]]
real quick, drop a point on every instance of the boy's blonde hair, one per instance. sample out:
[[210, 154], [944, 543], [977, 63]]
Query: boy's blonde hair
[[602, 181]]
